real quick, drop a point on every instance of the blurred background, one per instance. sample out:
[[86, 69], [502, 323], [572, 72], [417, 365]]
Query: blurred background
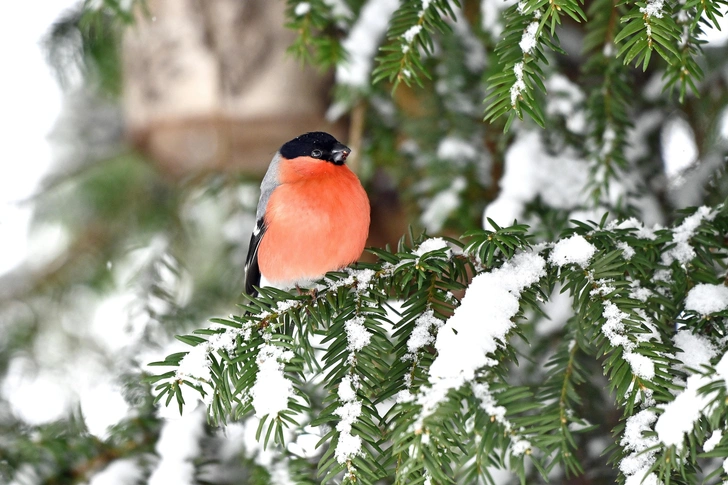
[[136, 134]]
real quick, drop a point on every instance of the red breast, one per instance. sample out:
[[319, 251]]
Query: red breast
[[317, 220]]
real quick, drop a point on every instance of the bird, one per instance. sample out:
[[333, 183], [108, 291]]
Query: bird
[[312, 216]]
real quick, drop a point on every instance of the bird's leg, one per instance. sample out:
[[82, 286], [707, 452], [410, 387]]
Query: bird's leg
[[312, 292]]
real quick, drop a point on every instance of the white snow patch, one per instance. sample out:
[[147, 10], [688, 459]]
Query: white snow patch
[[442, 205], [722, 368], [119, 472], [572, 250], [492, 16], [643, 478], [519, 85], [641, 232], [285, 305], [482, 392], [357, 334], [411, 33], [683, 252], [227, 340], [615, 331], [339, 8], [456, 149], [477, 328], [272, 389], [531, 172], [405, 396], [362, 42], [529, 39], [713, 441], [706, 298], [421, 335], [679, 150], [432, 244], [348, 445], [559, 309], [566, 99], [639, 293], [349, 412], [636, 426], [695, 350], [653, 8], [103, 406], [613, 328], [641, 365], [348, 387], [177, 447], [627, 251], [520, 446], [681, 414], [302, 9], [635, 465], [196, 363], [362, 277]]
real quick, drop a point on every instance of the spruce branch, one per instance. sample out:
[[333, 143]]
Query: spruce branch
[[529, 26], [317, 28], [439, 375], [608, 105], [409, 39], [648, 26], [556, 420]]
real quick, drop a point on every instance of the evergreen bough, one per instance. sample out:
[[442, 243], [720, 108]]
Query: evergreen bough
[[628, 299]]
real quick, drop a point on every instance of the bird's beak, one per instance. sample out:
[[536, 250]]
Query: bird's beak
[[339, 153]]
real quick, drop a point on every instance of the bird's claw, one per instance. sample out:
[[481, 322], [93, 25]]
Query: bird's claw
[[313, 292]]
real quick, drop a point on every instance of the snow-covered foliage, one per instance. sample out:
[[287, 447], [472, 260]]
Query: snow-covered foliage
[[436, 381]]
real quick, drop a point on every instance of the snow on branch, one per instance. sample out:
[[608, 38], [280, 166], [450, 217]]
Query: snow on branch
[[349, 445], [272, 389], [680, 415], [705, 299], [467, 340], [362, 42], [528, 43], [405, 378]]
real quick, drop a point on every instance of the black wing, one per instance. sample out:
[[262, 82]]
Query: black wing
[[252, 270]]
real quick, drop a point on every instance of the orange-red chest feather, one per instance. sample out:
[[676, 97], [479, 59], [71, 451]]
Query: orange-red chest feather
[[317, 220]]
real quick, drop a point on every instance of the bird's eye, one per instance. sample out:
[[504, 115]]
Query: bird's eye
[[316, 153]]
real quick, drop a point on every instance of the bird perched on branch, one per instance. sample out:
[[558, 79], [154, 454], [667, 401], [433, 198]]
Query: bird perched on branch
[[312, 217]]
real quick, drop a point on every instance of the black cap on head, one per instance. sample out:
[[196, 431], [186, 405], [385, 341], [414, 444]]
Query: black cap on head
[[316, 144]]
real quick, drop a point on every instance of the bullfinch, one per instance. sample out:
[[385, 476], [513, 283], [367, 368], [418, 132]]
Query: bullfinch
[[312, 217]]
